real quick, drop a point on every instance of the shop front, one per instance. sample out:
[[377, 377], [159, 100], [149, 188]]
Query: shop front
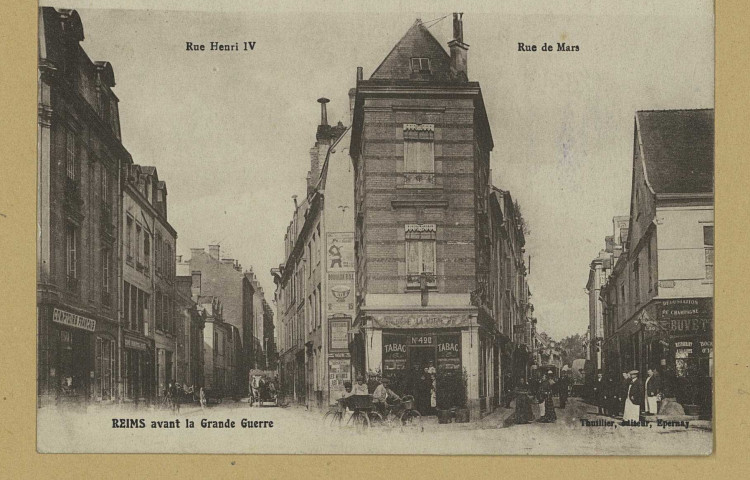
[[77, 357], [444, 360], [137, 361], [680, 344]]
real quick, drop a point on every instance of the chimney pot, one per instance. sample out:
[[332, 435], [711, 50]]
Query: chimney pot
[[323, 113], [458, 27]]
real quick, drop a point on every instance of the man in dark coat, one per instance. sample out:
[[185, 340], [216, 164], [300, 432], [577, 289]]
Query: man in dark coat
[[600, 393], [562, 389]]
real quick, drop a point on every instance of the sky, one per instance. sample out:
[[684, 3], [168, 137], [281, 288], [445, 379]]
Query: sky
[[229, 132]]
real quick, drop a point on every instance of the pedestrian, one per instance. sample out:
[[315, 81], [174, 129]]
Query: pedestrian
[[523, 414], [622, 392], [360, 388], [546, 390], [562, 389], [634, 398], [599, 393], [653, 392], [202, 399]]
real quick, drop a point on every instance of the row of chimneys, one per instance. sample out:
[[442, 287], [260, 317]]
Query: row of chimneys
[[214, 252]]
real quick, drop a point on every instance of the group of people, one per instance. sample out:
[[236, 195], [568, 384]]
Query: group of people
[[262, 388], [383, 397], [628, 396], [541, 391], [176, 394]]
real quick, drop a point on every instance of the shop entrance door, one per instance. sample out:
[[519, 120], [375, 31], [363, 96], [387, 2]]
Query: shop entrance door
[[420, 358]]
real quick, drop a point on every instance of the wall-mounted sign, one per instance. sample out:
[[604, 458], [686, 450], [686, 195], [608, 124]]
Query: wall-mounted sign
[[339, 371], [338, 331], [680, 308], [135, 344], [420, 321], [73, 320], [340, 292], [340, 251]]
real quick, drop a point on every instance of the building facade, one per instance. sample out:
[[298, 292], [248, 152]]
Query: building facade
[[189, 332], [149, 292], [315, 285], [79, 159], [420, 147], [510, 295], [658, 301], [224, 279], [599, 271]]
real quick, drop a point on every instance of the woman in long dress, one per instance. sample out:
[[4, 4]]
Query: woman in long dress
[[546, 389]]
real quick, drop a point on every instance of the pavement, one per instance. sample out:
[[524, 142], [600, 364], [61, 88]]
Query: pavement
[[298, 430]]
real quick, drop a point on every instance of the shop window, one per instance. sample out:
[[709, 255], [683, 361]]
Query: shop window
[[708, 248], [420, 254], [419, 154]]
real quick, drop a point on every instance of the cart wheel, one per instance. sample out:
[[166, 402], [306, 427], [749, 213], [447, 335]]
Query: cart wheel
[[361, 422], [376, 419], [411, 421]]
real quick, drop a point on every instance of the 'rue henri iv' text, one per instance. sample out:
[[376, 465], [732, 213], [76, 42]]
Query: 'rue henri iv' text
[[220, 47]]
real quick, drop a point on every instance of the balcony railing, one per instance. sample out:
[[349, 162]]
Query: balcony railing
[[417, 179], [415, 280]]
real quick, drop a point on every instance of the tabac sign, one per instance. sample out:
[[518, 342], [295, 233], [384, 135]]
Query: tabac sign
[[73, 320]]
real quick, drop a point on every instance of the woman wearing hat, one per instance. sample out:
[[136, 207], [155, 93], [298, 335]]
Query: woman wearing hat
[[633, 399], [545, 390]]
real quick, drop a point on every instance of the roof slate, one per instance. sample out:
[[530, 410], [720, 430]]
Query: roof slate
[[416, 42], [678, 149]]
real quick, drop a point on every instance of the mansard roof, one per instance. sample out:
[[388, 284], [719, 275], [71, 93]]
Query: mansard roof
[[678, 150], [416, 42]]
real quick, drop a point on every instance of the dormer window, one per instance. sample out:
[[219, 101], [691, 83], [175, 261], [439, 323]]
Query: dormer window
[[420, 65]]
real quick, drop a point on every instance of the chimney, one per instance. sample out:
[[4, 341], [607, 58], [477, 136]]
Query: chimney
[[352, 98], [359, 74], [194, 252], [459, 50], [323, 113], [213, 251]]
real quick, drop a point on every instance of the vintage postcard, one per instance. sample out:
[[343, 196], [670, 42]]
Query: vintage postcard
[[393, 232]]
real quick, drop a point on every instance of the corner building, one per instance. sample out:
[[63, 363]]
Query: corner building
[[79, 157], [420, 147]]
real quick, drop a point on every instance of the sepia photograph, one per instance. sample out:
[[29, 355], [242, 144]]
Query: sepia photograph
[[395, 232]]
